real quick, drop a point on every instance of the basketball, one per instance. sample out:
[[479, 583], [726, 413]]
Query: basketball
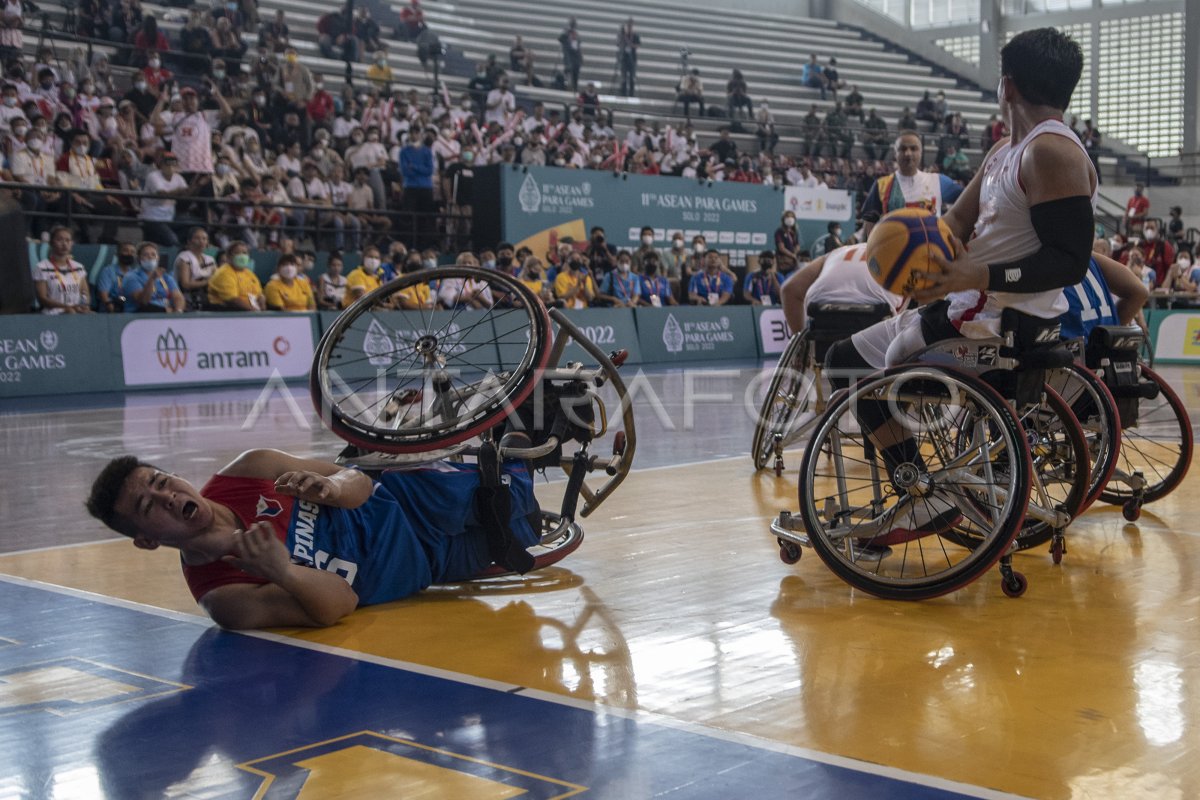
[[903, 242]]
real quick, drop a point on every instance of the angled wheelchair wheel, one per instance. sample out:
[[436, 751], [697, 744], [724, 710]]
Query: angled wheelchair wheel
[[956, 459], [788, 399], [1156, 452], [560, 538], [1092, 404], [393, 376]]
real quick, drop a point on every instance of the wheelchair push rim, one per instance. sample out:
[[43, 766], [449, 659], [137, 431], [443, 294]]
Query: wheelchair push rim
[[407, 380]]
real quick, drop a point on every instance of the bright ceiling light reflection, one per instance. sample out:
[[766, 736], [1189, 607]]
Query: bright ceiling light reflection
[[1160, 701]]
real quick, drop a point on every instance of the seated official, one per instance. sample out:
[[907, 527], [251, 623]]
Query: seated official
[[151, 287], [712, 286]]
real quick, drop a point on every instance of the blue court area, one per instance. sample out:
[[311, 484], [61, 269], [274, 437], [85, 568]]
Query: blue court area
[[99, 700]]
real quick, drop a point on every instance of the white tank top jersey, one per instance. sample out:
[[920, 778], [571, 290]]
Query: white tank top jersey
[[1003, 233], [845, 278]]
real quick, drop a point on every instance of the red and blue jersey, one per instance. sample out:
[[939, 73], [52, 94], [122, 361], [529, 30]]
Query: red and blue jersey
[[418, 527]]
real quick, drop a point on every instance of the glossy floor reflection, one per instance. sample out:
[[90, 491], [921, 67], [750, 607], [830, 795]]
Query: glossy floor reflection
[[676, 608]]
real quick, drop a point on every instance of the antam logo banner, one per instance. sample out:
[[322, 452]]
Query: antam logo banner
[[215, 349]]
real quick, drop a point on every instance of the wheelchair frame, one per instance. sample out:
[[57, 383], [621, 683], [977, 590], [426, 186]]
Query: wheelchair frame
[[506, 426]]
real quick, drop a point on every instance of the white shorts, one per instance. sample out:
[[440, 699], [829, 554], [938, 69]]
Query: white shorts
[[892, 341]]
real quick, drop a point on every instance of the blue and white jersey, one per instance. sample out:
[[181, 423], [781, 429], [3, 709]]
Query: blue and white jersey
[[1090, 303]]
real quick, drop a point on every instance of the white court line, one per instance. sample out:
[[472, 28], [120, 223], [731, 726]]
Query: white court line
[[61, 546], [637, 715]]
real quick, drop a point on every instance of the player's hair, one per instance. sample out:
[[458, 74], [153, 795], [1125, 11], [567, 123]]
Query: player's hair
[[1045, 64], [101, 503]]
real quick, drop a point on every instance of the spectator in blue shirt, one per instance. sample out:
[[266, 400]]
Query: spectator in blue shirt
[[813, 76], [417, 169], [712, 287], [656, 288], [151, 287], [110, 286], [762, 288], [621, 288]]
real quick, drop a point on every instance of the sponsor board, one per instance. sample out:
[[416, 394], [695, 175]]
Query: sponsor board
[[54, 355], [834, 205], [1176, 336], [773, 331], [696, 333], [215, 349], [609, 329]]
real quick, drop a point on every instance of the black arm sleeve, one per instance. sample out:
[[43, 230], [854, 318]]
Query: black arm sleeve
[[1065, 228]]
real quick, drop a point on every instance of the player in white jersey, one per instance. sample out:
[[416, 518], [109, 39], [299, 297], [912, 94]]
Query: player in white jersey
[[1027, 215], [838, 277]]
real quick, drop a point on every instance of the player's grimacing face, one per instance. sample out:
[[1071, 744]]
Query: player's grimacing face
[[159, 508]]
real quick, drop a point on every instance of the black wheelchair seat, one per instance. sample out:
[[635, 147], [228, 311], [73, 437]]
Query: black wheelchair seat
[[830, 323]]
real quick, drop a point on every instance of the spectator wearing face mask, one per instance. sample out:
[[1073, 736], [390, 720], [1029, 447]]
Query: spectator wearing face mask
[[787, 238], [601, 256], [366, 278], [831, 241], [331, 286], [31, 164], [151, 287], [574, 285], [1135, 211], [657, 289], [673, 260], [1179, 276], [645, 248], [155, 74], [621, 288], [416, 169], [1158, 253], [712, 286], [286, 291], [761, 288], [110, 285], [234, 286]]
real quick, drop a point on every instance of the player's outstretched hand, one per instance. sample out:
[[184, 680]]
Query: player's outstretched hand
[[958, 275], [258, 551], [307, 486]]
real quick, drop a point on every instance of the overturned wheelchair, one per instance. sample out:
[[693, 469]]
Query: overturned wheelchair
[[920, 478], [467, 365]]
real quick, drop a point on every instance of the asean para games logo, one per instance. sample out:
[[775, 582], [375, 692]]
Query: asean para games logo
[[49, 341], [171, 349]]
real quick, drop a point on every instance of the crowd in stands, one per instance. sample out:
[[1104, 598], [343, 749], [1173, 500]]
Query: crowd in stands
[[224, 133]]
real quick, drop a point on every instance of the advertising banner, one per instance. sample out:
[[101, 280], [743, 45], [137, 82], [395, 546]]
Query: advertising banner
[[541, 205], [220, 348], [45, 354], [696, 333], [609, 329], [773, 331], [1176, 336]]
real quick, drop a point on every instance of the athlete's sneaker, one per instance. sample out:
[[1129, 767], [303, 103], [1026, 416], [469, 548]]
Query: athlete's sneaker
[[916, 517]]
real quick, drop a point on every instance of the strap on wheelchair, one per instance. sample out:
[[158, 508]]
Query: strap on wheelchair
[[493, 506]]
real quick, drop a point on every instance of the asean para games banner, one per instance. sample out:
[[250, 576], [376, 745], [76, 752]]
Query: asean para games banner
[[541, 205], [48, 354], [172, 350]]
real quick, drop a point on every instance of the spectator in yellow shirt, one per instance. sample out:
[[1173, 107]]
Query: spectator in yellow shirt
[[533, 276], [366, 278], [287, 291], [418, 296], [234, 286], [574, 285]]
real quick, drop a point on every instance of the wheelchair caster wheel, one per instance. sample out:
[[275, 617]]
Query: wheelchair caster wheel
[[789, 552], [778, 467], [1131, 510], [1014, 585], [1057, 547]]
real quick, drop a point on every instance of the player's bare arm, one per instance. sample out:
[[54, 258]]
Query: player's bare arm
[[296, 595], [305, 478], [795, 289]]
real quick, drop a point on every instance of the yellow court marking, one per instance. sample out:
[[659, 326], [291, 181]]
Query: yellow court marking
[[67, 686], [360, 771], [373, 764]]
